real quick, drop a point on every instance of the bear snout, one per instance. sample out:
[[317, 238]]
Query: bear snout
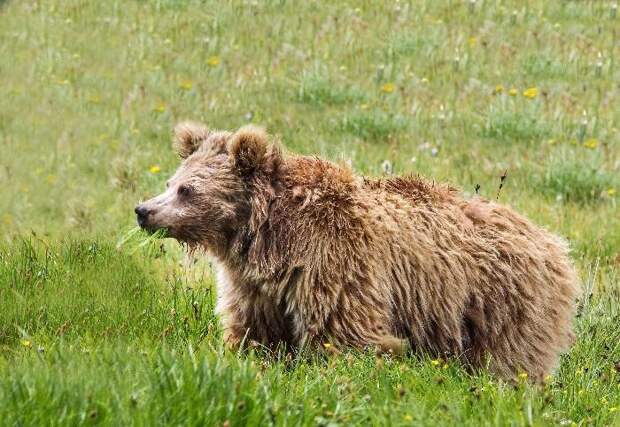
[[142, 214]]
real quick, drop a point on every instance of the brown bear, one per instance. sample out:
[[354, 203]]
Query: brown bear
[[308, 253]]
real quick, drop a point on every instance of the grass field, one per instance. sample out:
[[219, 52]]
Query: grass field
[[93, 332]]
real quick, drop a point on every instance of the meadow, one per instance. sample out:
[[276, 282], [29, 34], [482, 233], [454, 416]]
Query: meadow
[[99, 325]]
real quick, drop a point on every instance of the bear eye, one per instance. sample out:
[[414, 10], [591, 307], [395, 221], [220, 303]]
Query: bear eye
[[184, 190]]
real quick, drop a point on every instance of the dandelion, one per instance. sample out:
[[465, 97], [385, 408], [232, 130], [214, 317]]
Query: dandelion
[[26, 343], [155, 169], [599, 65], [388, 87], [498, 89], [583, 127], [548, 378], [512, 92], [160, 108], [530, 93], [379, 72], [213, 61], [591, 143], [186, 84], [387, 167], [436, 362], [456, 61], [523, 375]]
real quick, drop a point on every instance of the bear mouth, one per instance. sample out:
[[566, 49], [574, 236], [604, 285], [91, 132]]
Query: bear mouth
[[161, 232]]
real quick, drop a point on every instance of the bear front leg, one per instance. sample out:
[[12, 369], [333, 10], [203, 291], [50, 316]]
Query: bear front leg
[[234, 334], [392, 345]]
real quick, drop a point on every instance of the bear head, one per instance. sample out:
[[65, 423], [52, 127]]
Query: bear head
[[219, 189]]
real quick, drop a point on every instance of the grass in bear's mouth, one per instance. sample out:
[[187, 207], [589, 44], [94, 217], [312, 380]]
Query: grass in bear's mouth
[[138, 239]]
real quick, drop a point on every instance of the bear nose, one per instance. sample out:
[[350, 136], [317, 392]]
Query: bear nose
[[142, 212]]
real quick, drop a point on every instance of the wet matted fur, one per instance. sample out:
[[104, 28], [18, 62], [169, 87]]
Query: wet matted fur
[[309, 253]]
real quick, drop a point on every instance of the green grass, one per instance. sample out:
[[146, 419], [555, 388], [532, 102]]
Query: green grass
[[577, 178], [102, 325], [319, 91]]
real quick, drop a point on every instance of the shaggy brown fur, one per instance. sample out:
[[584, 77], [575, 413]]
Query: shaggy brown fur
[[309, 253]]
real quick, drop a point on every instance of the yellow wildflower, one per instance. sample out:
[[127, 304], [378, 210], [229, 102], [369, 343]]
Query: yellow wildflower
[[408, 418], [613, 409], [530, 93], [610, 193], [160, 108], [213, 61], [472, 41], [499, 89], [155, 169], [436, 362], [548, 378], [523, 375], [186, 85], [388, 88], [26, 343], [512, 92], [591, 143]]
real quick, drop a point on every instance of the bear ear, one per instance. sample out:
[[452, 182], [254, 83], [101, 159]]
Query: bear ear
[[188, 136], [247, 149]]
